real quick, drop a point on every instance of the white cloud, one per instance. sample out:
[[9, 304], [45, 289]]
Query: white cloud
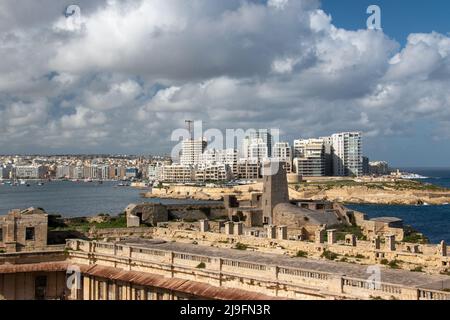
[[137, 69]]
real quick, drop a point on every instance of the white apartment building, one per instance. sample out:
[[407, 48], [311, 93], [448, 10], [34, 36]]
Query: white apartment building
[[192, 151], [64, 171], [30, 172], [282, 152], [257, 151], [177, 173], [103, 172], [228, 157], [309, 157], [347, 158], [249, 170], [154, 172], [260, 134], [214, 172]]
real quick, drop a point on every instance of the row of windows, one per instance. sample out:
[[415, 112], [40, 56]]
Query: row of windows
[[305, 274], [370, 286], [244, 265], [191, 257], [29, 234]]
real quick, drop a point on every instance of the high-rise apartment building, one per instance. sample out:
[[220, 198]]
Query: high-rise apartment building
[[347, 158], [309, 157], [192, 151], [227, 156], [282, 152], [259, 135]]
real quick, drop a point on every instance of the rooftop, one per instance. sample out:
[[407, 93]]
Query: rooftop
[[399, 277]]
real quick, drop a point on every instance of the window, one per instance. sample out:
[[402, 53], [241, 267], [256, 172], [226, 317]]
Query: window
[[29, 234], [1, 234]]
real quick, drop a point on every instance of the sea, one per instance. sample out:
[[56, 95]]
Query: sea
[[75, 199], [432, 221]]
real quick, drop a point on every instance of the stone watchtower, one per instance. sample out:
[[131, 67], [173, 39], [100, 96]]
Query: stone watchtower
[[275, 189]]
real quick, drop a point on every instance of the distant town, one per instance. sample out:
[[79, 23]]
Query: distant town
[[337, 155]]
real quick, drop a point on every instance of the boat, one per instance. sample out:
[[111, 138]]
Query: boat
[[412, 176], [122, 184], [40, 184]]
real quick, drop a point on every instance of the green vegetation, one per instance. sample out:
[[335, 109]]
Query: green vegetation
[[329, 255], [376, 298], [82, 224], [201, 265], [384, 261], [343, 230], [2, 251], [113, 223], [240, 246], [400, 185], [413, 236], [301, 254]]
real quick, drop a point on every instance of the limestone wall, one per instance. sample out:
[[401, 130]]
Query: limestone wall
[[267, 279]]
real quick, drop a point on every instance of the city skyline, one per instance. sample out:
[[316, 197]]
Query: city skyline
[[307, 67]]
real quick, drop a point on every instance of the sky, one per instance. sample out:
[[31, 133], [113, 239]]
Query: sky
[[121, 76]]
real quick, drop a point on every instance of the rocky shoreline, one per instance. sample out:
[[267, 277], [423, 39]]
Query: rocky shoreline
[[355, 194]]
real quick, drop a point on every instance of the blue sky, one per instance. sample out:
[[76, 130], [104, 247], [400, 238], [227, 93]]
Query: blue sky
[[399, 17]]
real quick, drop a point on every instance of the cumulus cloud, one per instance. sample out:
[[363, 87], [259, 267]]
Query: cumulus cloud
[[133, 71]]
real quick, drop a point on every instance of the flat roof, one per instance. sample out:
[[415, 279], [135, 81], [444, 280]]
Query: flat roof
[[400, 277]]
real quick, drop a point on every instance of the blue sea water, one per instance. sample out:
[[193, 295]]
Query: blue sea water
[[87, 199], [433, 221], [72, 199]]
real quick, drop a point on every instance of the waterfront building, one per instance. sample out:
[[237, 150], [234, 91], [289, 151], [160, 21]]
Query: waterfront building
[[5, 171], [258, 150], [249, 170], [257, 135], [30, 172], [329, 152], [379, 168], [347, 159], [365, 166], [310, 158], [131, 173], [192, 151], [282, 152], [64, 172], [213, 172], [177, 173], [103, 172], [228, 157], [154, 171], [78, 173]]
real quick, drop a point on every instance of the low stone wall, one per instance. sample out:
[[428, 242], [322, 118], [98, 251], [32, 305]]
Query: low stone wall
[[120, 233]]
